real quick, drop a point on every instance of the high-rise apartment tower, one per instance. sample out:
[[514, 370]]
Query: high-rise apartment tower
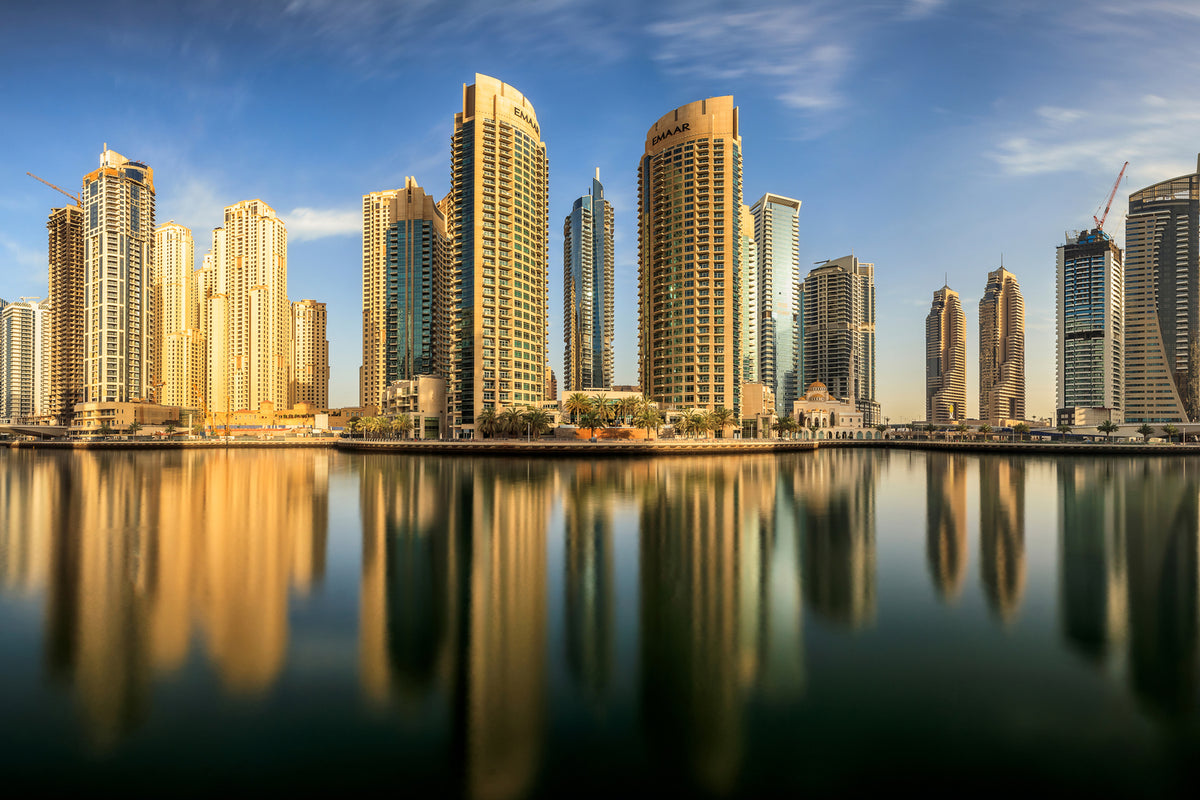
[[945, 359], [118, 206], [24, 359], [309, 381], [407, 315], [182, 374], [689, 257], [1090, 313], [1001, 350], [498, 222], [588, 292], [838, 326], [780, 348], [748, 310], [1162, 302], [65, 228]]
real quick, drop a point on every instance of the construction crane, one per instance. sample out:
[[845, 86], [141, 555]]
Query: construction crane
[[74, 197], [1100, 219]]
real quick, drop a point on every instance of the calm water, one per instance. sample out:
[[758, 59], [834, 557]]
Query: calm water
[[499, 628]]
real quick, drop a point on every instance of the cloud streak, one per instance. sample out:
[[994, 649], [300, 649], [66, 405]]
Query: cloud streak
[[310, 224]]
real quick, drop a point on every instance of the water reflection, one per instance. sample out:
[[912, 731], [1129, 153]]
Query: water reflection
[[138, 553], [1002, 533], [946, 524], [589, 491], [1130, 561]]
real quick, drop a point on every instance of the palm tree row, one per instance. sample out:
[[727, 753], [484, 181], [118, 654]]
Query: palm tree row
[[700, 423], [531, 421], [398, 427]]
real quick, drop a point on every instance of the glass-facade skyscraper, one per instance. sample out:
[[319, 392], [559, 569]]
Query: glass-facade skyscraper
[[588, 292], [1090, 312], [1001, 350], [777, 235]]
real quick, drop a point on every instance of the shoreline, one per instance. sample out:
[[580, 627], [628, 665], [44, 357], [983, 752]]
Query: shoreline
[[513, 447]]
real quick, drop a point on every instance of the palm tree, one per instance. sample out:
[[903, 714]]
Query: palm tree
[[722, 418], [510, 422], [1022, 430], [1064, 429], [1107, 428], [601, 403], [1170, 431], [134, 427], [626, 408], [647, 416], [697, 422], [105, 428], [486, 422], [402, 426], [881, 428], [378, 426], [537, 420], [591, 419], [354, 425], [961, 428], [984, 430], [1145, 431], [170, 427], [576, 404]]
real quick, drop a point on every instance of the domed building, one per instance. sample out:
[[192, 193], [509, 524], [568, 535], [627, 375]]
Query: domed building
[[824, 416]]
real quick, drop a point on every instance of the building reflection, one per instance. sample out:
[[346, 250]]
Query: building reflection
[[589, 492], [138, 553], [946, 523], [453, 599], [1002, 533], [836, 492], [1130, 541]]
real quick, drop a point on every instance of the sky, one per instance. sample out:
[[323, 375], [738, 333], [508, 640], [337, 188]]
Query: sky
[[932, 138]]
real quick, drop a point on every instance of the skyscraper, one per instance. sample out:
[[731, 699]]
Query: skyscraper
[[1001, 350], [24, 359], [118, 205], [407, 322], [177, 337], [839, 332], [689, 236], [213, 309], [66, 281], [1162, 302], [259, 315], [945, 359], [588, 292], [498, 222], [309, 382], [748, 309], [1090, 312], [777, 234]]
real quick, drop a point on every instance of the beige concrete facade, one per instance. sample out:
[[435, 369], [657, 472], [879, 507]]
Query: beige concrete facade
[[182, 373], [65, 229], [500, 183], [758, 410], [749, 311], [118, 205], [259, 315], [90, 417], [1001, 349], [689, 250], [423, 398], [945, 359], [309, 381]]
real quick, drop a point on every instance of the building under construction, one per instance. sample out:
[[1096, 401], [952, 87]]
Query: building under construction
[[66, 311]]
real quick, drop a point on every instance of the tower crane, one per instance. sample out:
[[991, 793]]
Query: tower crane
[[1100, 219], [74, 197]]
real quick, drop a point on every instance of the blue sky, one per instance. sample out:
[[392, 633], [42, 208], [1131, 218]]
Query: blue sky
[[926, 136]]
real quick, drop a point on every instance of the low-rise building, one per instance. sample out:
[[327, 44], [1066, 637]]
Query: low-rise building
[[90, 418], [758, 410], [423, 398]]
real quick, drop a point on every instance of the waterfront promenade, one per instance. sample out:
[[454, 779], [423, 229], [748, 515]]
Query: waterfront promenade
[[660, 447]]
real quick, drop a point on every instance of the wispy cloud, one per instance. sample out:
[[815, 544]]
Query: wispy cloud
[[307, 224]]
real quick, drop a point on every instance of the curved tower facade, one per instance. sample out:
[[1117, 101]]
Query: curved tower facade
[[1001, 350], [945, 359], [1162, 302], [497, 218], [689, 257]]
